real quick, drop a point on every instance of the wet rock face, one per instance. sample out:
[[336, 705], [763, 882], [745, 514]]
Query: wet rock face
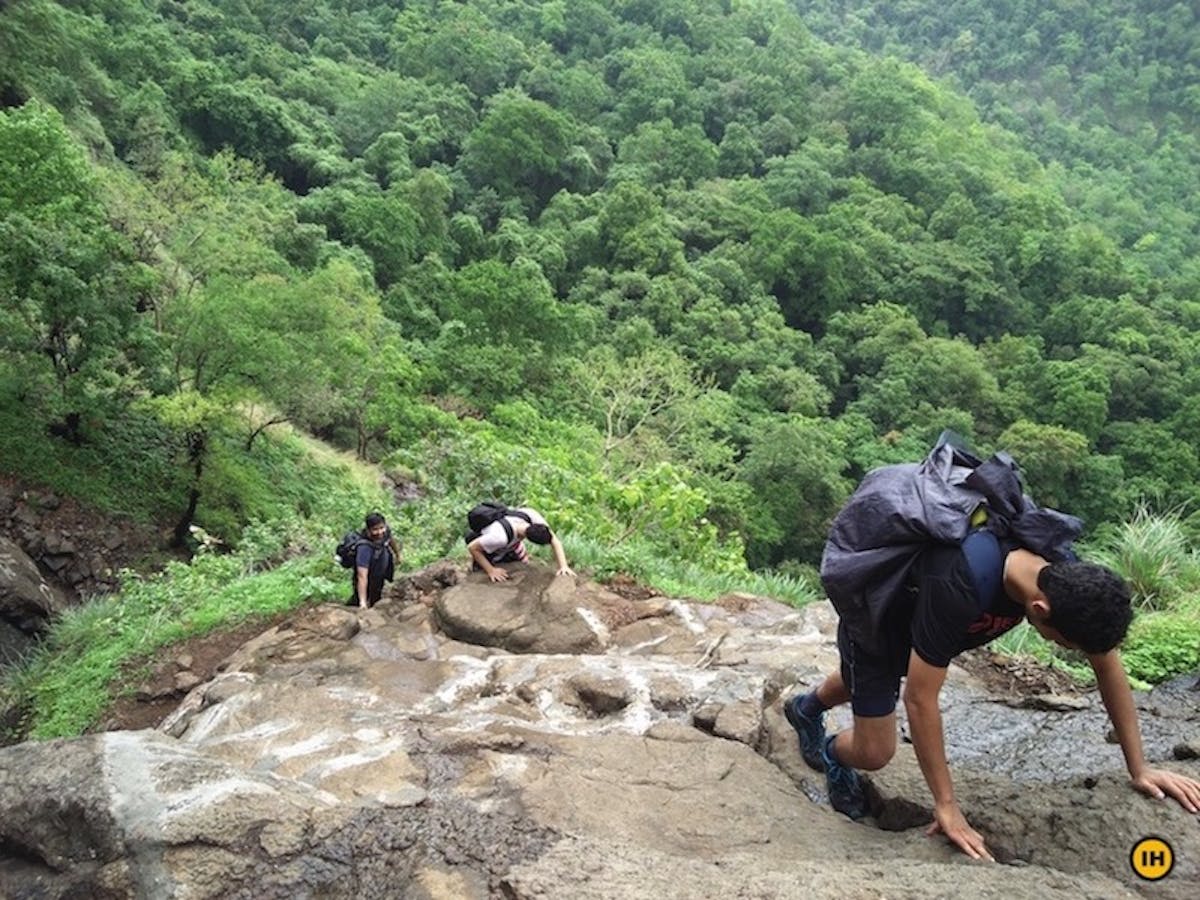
[[547, 738], [146, 816]]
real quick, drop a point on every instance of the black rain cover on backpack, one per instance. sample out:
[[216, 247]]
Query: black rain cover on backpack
[[898, 510], [484, 514]]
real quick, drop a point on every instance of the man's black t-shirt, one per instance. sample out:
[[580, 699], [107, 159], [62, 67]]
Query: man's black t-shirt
[[957, 605]]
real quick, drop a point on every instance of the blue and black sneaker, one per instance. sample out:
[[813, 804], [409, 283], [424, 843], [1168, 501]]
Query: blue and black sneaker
[[843, 785], [810, 729]]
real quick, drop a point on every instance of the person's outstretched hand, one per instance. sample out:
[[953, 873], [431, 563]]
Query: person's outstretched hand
[[498, 575], [950, 821], [1160, 784], [566, 570]]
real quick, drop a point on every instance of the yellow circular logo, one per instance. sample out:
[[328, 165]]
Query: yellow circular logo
[[1152, 859]]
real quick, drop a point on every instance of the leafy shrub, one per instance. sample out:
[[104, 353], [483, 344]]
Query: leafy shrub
[[141, 487], [555, 468], [1161, 645], [680, 578]]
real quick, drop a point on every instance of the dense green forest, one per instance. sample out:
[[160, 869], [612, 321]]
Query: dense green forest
[[1107, 94], [676, 273]]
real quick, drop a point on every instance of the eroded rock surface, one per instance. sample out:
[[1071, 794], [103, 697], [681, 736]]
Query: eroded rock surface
[[547, 738]]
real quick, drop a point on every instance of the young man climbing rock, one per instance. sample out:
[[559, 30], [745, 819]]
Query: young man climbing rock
[[926, 561], [375, 558], [497, 534]]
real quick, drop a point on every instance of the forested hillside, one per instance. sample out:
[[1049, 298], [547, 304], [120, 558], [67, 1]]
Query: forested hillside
[[679, 273], [1106, 93]]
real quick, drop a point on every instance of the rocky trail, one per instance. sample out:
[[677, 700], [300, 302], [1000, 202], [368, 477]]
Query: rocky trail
[[549, 737]]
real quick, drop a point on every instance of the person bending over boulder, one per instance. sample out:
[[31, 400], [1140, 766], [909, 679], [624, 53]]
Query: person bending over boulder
[[497, 534]]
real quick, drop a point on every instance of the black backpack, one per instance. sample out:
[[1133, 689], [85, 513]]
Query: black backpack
[[347, 548], [899, 510], [484, 514]]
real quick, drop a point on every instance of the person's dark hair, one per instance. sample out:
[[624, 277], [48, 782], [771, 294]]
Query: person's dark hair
[[374, 519], [1089, 604], [539, 534]]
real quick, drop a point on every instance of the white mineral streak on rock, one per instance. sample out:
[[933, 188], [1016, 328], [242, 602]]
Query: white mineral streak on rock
[[685, 614], [594, 623]]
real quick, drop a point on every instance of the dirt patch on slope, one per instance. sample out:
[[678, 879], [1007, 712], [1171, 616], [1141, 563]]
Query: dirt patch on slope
[[78, 548], [1013, 678], [628, 587]]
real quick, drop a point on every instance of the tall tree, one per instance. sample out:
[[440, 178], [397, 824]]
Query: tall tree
[[70, 322]]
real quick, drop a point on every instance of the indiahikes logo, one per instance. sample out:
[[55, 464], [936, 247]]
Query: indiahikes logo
[[1152, 859]]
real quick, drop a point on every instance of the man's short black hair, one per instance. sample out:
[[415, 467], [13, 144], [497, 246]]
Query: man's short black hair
[[374, 519], [1089, 604], [539, 534]]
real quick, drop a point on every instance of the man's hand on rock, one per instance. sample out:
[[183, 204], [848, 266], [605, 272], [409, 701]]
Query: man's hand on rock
[[1160, 784], [950, 821], [498, 574]]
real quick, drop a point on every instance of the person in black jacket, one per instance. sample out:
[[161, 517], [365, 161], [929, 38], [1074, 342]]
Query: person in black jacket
[[958, 597]]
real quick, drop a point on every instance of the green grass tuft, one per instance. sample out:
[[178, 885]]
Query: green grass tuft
[[682, 578], [1152, 553]]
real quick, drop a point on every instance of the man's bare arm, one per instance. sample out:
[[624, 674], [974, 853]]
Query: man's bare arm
[[921, 690], [560, 556], [1118, 701], [360, 585], [495, 573]]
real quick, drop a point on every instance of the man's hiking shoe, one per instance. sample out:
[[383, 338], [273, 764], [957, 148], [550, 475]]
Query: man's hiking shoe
[[843, 785], [811, 731]]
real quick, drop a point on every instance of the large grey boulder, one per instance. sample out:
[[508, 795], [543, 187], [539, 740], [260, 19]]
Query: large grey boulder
[[535, 611]]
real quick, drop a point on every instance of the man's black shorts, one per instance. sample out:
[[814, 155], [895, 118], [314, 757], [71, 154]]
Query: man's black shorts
[[873, 679]]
